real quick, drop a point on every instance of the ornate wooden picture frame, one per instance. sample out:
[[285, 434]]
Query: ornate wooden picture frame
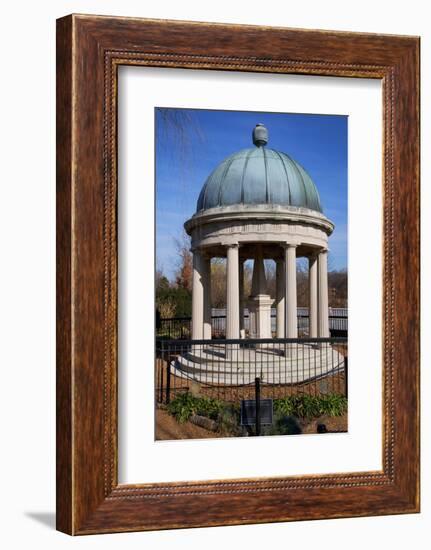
[[89, 51]]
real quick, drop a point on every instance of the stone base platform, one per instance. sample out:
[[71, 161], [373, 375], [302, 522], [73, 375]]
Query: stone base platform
[[276, 364]]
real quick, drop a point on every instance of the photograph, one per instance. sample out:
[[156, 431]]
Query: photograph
[[213, 317], [251, 273]]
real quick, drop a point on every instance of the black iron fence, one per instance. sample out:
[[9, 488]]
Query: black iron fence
[[227, 369], [180, 327]]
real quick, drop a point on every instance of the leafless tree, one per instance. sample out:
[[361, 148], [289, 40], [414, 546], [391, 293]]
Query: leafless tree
[[177, 132]]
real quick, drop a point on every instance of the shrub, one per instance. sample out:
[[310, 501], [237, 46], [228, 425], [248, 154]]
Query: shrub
[[186, 404], [283, 425], [311, 406], [286, 411], [229, 420], [166, 307], [334, 405]]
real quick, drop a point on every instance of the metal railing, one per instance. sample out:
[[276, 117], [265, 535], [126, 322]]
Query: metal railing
[[227, 369], [180, 327]]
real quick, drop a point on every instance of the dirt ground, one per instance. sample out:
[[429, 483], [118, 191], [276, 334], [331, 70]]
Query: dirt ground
[[168, 428], [332, 423]]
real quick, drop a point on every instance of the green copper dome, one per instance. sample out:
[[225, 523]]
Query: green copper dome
[[259, 175]]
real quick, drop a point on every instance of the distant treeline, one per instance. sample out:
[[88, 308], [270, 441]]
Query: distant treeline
[[174, 299]]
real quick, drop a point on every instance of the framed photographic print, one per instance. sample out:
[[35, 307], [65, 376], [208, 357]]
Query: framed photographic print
[[237, 274]]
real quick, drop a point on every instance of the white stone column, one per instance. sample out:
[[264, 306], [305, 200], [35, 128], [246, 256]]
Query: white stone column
[[291, 293], [232, 299], [207, 298], [280, 298], [323, 294], [197, 297], [312, 286], [241, 296]]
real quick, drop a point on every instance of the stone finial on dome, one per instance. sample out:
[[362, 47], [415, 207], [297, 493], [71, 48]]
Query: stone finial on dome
[[260, 135]]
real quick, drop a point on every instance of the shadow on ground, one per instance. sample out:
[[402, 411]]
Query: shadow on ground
[[45, 518]]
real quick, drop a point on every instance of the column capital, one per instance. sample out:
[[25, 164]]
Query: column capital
[[231, 245], [289, 245]]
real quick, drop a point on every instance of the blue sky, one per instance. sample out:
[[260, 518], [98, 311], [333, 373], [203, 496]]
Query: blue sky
[[190, 143]]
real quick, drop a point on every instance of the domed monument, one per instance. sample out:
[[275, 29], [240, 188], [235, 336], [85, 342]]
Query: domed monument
[[258, 204]]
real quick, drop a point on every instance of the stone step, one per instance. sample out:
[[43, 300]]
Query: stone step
[[218, 357], [256, 370], [278, 370], [249, 378]]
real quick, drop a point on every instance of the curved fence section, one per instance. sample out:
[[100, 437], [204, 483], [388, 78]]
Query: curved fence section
[[227, 369]]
